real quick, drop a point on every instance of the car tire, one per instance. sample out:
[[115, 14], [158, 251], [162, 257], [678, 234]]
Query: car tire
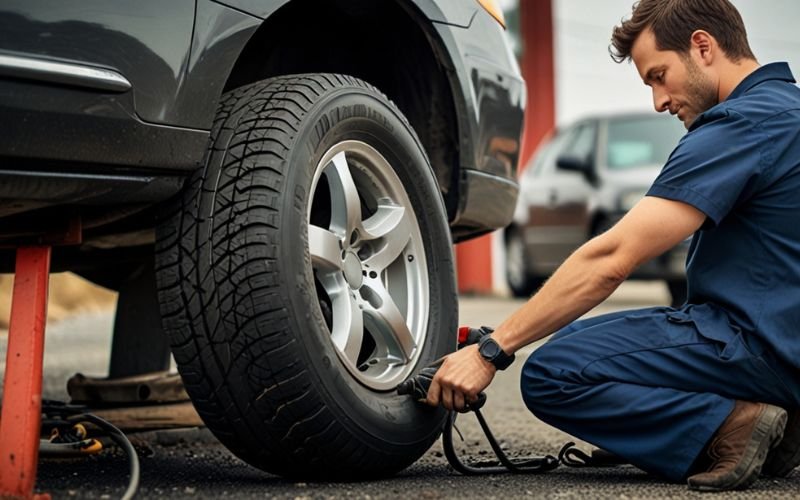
[[520, 280], [305, 272]]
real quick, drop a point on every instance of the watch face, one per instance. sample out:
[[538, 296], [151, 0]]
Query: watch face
[[489, 349], [491, 352]]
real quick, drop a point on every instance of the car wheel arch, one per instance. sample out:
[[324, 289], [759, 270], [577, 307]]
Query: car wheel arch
[[431, 105]]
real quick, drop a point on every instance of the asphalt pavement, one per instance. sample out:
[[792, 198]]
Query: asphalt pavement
[[192, 464]]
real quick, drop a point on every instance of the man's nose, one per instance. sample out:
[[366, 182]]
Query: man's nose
[[660, 101]]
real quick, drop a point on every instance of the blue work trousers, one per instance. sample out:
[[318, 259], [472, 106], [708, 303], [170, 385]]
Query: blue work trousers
[[652, 385]]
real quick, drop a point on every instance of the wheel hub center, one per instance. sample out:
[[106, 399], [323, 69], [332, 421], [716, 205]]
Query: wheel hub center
[[352, 270]]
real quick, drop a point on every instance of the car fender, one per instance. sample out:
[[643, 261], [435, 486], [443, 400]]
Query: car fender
[[453, 13]]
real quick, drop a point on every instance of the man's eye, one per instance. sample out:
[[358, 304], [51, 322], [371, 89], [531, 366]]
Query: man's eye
[[660, 77]]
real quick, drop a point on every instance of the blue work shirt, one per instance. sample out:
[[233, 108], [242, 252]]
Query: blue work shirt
[[740, 165]]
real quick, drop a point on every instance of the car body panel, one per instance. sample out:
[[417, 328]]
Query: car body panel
[[176, 57], [70, 115], [491, 121], [554, 206], [77, 137], [455, 13], [147, 41], [219, 37]]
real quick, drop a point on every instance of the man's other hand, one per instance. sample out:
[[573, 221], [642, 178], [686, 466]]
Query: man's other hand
[[462, 376]]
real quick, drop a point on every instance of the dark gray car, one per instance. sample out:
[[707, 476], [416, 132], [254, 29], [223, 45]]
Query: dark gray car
[[283, 180], [581, 183]]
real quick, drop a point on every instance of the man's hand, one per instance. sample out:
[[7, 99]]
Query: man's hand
[[462, 376]]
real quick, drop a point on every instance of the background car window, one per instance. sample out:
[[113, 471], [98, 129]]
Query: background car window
[[582, 145], [642, 141]]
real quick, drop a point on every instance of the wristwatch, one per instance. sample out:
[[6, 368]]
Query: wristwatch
[[493, 353]]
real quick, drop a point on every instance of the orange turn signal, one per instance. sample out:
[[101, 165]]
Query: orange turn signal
[[494, 10]]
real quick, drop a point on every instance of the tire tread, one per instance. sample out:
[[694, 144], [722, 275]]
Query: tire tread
[[204, 267]]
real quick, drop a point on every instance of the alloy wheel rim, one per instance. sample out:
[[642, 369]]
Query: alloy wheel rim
[[369, 264]]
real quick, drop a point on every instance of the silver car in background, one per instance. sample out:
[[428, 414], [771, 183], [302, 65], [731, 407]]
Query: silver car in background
[[580, 183]]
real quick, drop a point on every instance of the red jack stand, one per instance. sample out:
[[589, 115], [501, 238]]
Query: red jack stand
[[20, 421]]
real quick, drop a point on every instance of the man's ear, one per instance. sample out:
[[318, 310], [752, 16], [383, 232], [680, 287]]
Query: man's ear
[[704, 45]]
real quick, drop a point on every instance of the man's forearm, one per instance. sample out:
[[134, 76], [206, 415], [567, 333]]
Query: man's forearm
[[596, 269], [584, 280]]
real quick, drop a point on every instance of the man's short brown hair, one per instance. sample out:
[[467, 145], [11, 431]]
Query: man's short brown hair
[[674, 21]]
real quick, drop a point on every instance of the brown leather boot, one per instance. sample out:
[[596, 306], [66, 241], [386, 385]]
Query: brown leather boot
[[786, 456], [740, 446]]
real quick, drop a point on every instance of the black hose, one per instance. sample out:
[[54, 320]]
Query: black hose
[[533, 465], [417, 387], [118, 437], [58, 411]]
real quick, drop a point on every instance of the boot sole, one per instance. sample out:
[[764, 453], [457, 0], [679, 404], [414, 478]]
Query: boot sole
[[780, 462], [767, 434]]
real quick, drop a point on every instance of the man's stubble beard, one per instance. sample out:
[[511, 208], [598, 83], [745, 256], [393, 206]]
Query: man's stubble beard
[[701, 93]]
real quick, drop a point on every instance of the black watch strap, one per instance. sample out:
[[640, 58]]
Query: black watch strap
[[493, 353]]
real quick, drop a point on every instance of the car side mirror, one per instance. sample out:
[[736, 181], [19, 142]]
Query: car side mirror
[[574, 163]]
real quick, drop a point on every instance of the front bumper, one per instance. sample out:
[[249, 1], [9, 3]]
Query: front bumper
[[490, 110], [487, 203]]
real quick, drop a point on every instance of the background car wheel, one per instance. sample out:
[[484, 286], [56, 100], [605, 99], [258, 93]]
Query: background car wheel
[[307, 272], [521, 282]]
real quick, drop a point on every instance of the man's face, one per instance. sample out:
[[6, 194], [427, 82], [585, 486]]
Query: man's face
[[679, 84]]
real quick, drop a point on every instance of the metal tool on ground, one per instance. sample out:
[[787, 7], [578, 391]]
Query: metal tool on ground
[[418, 386]]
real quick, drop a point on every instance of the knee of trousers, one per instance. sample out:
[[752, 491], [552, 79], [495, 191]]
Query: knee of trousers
[[545, 382]]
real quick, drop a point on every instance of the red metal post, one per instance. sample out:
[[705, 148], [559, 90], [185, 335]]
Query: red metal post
[[474, 265], [20, 420], [538, 69]]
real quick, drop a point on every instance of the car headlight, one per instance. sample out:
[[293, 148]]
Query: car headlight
[[629, 199]]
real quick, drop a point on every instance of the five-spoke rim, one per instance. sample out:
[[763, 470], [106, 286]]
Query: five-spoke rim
[[369, 264]]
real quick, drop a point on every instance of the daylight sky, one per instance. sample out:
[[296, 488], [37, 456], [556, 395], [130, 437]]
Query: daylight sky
[[588, 81]]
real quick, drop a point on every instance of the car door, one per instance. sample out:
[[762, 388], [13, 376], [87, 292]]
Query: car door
[[101, 46], [559, 204]]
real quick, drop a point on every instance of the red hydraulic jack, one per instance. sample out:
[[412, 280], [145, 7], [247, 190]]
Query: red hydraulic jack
[[21, 417]]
